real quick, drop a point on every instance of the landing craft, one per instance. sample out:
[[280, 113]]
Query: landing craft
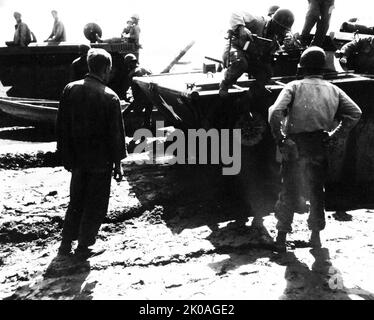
[[33, 77]]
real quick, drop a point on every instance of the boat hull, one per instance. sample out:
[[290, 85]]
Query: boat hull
[[191, 100]]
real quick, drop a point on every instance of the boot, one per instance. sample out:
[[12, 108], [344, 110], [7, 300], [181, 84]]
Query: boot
[[280, 243], [83, 252], [223, 90], [315, 240], [65, 248]]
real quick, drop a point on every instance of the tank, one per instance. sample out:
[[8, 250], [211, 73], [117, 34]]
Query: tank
[[191, 100]]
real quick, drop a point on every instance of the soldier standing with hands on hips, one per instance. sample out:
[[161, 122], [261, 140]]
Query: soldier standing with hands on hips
[[302, 123]]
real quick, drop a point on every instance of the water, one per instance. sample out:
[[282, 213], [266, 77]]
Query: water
[[167, 25]]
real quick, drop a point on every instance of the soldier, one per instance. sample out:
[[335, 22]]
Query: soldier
[[246, 54], [135, 31], [91, 141], [139, 99], [308, 107], [128, 30], [22, 35], [319, 12], [359, 53], [58, 33]]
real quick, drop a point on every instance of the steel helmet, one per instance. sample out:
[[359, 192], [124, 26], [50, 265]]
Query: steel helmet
[[272, 10], [313, 58], [284, 17], [130, 58], [135, 16], [91, 30]]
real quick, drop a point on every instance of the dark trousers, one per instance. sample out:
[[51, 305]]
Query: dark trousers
[[241, 62], [304, 176], [319, 12], [89, 199]]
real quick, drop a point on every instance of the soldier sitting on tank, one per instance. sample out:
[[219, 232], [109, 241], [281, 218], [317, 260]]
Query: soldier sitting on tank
[[22, 35], [243, 53], [358, 54], [58, 33], [138, 100]]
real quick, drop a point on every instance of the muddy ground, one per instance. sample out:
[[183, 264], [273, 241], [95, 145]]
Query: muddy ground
[[172, 232]]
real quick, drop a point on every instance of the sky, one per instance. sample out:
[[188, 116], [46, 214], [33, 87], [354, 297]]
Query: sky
[[167, 25]]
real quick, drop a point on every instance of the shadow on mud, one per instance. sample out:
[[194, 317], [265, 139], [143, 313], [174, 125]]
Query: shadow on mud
[[322, 281]]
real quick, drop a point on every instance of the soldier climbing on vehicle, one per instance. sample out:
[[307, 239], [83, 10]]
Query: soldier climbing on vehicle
[[133, 94], [252, 41]]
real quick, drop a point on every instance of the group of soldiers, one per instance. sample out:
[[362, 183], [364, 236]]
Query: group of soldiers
[[23, 36], [91, 139], [302, 118]]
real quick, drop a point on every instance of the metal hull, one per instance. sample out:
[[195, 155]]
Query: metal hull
[[192, 101], [33, 111], [41, 71]]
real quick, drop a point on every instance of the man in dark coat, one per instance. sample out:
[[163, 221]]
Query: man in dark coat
[[91, 142]]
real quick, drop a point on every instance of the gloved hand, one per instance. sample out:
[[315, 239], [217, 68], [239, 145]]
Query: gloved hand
[[288, 149], [245, 34], [343, 60]]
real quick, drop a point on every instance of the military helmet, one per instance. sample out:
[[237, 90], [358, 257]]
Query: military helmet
[[91, 31], [313, 58], [272, 10], [284, 17], [130, 58], [135, 16]]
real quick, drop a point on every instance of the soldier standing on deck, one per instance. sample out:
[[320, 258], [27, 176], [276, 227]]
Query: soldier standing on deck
[[319, 12], [91, 143], [243, 53], [302, 123]]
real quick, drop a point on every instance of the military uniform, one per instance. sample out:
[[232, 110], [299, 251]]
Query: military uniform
[[58, 32], [311, 105], [360, 54], [22, 36], [140, 100], [256, 59], [319, 12]]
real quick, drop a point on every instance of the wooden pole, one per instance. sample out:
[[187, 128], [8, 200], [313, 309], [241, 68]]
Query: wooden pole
[[178, 57]]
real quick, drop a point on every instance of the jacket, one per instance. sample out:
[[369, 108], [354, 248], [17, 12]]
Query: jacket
[[90, 130], [312, 104], [257, 25], [58, 32], [22, 34]]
